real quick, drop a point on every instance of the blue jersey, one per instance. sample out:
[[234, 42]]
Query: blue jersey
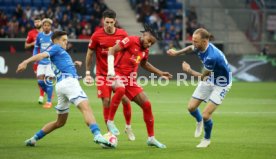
[[43, 41], [62, 63], [214, 60]]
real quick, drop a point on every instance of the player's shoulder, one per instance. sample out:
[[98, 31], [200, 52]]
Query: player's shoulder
[[121, 31]]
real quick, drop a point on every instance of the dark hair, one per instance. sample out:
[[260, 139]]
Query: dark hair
[[149, 29], [109, 14], [37, 18], [204, 34], [57, 35]]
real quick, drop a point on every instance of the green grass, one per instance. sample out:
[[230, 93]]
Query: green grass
[[244, 125]]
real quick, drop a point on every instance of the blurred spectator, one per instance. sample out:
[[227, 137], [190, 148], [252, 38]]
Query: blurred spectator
[[13, 27], [18, 11], [22, 32], [3, 33], [28, 12], [84, 34]]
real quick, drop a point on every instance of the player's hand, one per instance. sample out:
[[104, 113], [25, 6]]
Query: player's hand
[[78, 63], [171, 52], [88, 79], [186, 67], [166, 75], [21, 67]]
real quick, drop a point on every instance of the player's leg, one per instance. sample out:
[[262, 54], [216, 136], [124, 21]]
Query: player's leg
[[208, 124], [119, 91], [127, 114], [49, 77], [62, 111], [142, 100], [40, 76], [41, 92], [105, 103], [201, 93], [77, 96], [104, 93], [215, 99], [48, 128]]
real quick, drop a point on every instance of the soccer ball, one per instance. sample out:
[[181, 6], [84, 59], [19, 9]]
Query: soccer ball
[[111, 138]]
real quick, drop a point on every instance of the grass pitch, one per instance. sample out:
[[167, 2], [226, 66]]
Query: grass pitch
[[244, 125]]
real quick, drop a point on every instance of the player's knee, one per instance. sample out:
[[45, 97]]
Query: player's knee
[[125, 100], [206, 116], [191, 107], [106, 102]]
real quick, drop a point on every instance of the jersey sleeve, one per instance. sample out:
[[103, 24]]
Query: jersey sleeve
[[93, 42], [36, 46], [29, 38], [209, 64], [125, 43], [146, 57]]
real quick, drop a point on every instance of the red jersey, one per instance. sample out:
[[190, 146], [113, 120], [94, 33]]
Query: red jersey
[[131, 55], [101, 42], [32, 36]]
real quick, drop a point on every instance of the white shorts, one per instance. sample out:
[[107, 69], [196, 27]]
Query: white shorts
[[45, 70], [207, 91], [69, 91]]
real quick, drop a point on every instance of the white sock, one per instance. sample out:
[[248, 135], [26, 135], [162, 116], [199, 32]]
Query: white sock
[[110, 122], [151, 138], [128, 126]]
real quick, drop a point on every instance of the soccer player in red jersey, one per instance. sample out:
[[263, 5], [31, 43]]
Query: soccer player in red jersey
[[134, 50], [29, 43], [100, 42]]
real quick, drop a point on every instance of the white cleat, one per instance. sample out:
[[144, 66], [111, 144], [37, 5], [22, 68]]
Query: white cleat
[[40, 100], [130, 134], [156, 143], [199, 128], [30, 142], [112, 128], [204, 143]]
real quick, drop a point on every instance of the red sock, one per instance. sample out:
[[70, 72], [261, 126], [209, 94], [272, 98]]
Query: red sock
[[105, 113], [41, 92], [115, 101], [148, 118], [127, 112]]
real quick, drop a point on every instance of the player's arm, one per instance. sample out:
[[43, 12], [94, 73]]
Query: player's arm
[[187, 68], [110, 59], [149, 67], [185, 50], [23, 65], [88, 63], [29, 45]]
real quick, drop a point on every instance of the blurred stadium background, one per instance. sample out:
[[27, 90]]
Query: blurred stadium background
[[245, 30]]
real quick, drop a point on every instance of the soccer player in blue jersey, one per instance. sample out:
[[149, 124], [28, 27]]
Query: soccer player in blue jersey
[[68, 90], [215, 81], [44, 71]]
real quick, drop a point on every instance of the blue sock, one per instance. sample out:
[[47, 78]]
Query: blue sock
[[95, 129], [49, 91], [39, 135], [197, 115], [208, 125], [42, 84]]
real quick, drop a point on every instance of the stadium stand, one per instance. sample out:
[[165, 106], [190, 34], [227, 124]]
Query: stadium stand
[[78, 17]]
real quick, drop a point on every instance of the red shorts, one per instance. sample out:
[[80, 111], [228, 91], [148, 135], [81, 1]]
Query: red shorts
[[104, 89], [131, 86], [35, 67]]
